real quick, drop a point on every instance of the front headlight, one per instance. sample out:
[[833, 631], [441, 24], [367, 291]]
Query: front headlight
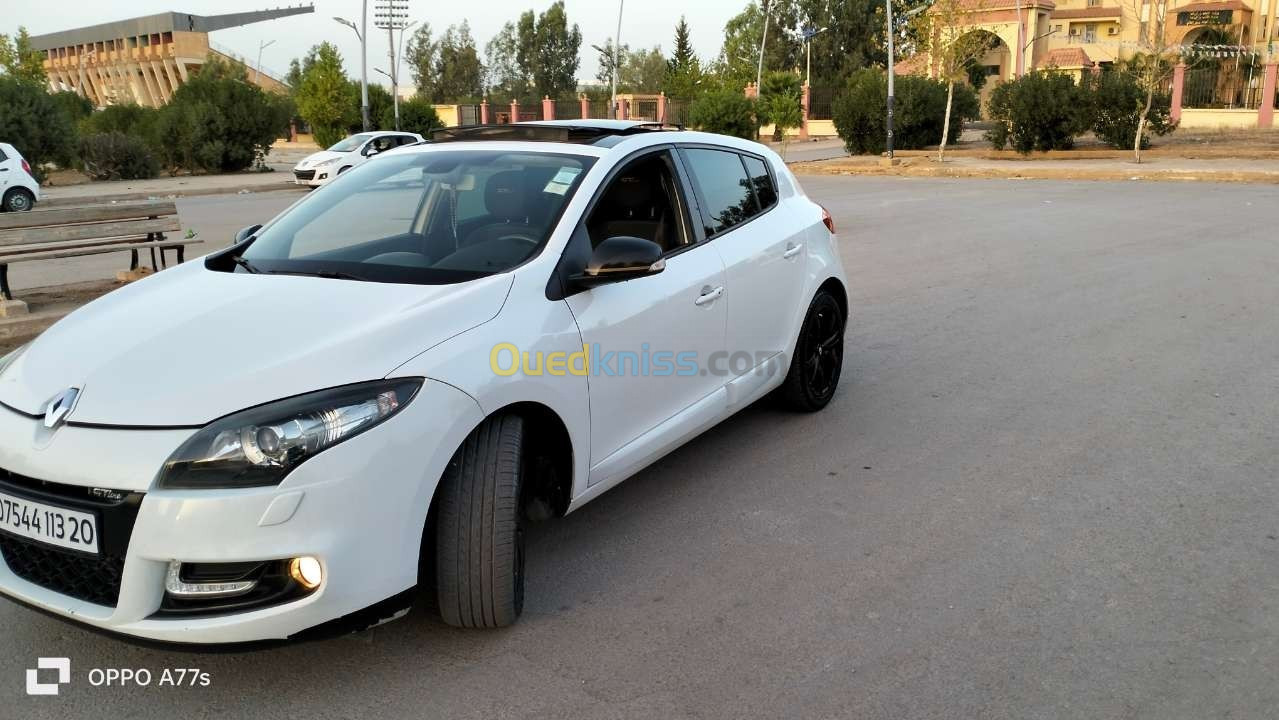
[[328, 162], [261, 445], [9, 359]]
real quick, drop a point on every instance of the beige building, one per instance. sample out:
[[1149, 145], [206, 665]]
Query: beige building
[[144, 59]]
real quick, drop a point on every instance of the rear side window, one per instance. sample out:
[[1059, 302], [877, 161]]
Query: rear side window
[[765, 190], [2, 155], [725, 188]]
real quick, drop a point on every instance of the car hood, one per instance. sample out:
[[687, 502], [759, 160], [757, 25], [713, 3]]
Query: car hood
[[190, 345], [315, 159]]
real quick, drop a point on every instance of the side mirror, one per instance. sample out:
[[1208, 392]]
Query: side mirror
[[370, 151], [246, 233], [621, 258]]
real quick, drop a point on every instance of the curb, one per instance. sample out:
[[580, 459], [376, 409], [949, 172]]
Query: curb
[[1096, 175]]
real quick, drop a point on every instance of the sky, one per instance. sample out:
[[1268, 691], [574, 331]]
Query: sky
[[645, 23]]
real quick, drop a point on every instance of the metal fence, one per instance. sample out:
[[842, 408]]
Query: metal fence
[[568, 109], [644, 110], [820, 102], [675, 112], [1224, 85], [468, 115]]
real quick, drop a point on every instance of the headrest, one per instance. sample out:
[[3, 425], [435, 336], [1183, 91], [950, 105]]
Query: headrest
[[504, 195], [632, 193]]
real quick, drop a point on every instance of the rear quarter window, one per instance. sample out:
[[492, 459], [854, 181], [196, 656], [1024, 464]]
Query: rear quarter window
[[762, 180]]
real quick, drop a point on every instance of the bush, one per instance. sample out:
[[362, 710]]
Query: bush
[[417, 116], [1117, 101], [1042, 110], [34, 123], [781, 102], [727, 112], [218, 122], [129, 119], [116, 156], [919, 112]]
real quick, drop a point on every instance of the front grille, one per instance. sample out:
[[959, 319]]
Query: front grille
[[78, 575], [304, 174], [92, 579]]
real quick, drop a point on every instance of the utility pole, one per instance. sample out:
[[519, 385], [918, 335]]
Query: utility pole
[[617, 53], [392, 15], [888, 8], [364, 59]]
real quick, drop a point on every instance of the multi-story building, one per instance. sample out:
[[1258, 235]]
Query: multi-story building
[[144, 59]]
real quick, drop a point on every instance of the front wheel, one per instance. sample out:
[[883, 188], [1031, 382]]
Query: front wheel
[[819, 357], [480, 534], [18, 200]]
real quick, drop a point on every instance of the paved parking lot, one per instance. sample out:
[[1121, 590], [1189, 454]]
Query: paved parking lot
[[1046, 489]]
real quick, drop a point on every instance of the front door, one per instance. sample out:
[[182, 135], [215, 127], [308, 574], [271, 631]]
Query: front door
[[649, 338]]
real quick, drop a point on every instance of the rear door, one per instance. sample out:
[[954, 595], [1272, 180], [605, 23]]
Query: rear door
[[762, 247], [7, 167]]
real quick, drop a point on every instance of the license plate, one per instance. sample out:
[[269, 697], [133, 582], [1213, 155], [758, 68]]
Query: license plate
[[50, 524]]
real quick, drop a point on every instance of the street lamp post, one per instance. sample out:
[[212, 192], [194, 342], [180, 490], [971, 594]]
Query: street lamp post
[[258, 68], [617, 52], [759, 69], [390, 15], [364, 60], [809, 33], [888, 7]]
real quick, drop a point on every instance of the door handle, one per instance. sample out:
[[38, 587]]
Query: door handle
[[709, 296], [791, 251]]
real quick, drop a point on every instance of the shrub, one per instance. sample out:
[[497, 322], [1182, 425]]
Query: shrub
[[129, 119], [919, 112], [727, 112], [1117, 100], [34, 123], [417, 116], [218, 122], [1042, 110], [116, 156]]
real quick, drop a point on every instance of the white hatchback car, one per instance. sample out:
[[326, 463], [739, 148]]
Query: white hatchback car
[[320, 168], [18, 187], [370, 396]]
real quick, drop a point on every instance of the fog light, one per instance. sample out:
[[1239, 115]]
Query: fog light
[[179, 588], [306, 571]]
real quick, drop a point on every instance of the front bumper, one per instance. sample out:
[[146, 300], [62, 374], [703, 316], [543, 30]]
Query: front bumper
[[360, 507], [314, 177]]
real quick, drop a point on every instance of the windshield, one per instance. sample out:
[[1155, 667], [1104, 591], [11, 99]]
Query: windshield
[[423, 217], [351, 143]]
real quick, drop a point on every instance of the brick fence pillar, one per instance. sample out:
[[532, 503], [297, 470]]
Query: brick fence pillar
[[548, 108], [752, 92], [515, 111], [484, 112], [586, 107], [807, 102], [1266, 115], [623, 109], [1178, 86], [661, 107]]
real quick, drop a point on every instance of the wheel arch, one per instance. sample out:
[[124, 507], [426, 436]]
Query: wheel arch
[[833, 285]]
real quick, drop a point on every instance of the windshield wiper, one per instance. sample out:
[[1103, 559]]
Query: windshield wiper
[[244, 263], [329, 274]]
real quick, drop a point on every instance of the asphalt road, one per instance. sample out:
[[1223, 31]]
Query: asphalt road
[[1046, 489]]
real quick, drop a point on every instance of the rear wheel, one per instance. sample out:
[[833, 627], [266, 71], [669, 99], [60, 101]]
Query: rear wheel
[[819, 357], [479, 531], [18, 200]]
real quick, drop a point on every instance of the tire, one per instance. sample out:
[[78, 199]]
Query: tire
[[18, 200], [479, 532], [818, 361]]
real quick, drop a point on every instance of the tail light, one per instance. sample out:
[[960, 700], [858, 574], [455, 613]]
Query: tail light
[[828, 221], [26, 166]]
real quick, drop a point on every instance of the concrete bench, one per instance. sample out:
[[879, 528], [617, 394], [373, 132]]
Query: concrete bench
[[93, 230]]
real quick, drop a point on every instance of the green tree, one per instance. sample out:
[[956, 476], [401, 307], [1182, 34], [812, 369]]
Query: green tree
[[1117, 98], [458, 72], [505, 78], [381, 109], [643, 71], [555, 59], [607, 54], [422, 55], [21, 61], [683, 69], [417, 116], [326, 99], [34, 123], [739, 57], [218, 121], [919, 114], [781, 102]]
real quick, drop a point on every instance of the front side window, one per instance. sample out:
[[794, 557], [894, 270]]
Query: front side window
[[351, 143], [423, 217], [725, 188], [642, 201]]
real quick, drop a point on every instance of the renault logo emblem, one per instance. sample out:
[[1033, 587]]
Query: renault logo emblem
[[55, 413]]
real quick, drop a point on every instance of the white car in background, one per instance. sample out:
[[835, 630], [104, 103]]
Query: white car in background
[[369, 396], [18, 187], [319, 168]]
